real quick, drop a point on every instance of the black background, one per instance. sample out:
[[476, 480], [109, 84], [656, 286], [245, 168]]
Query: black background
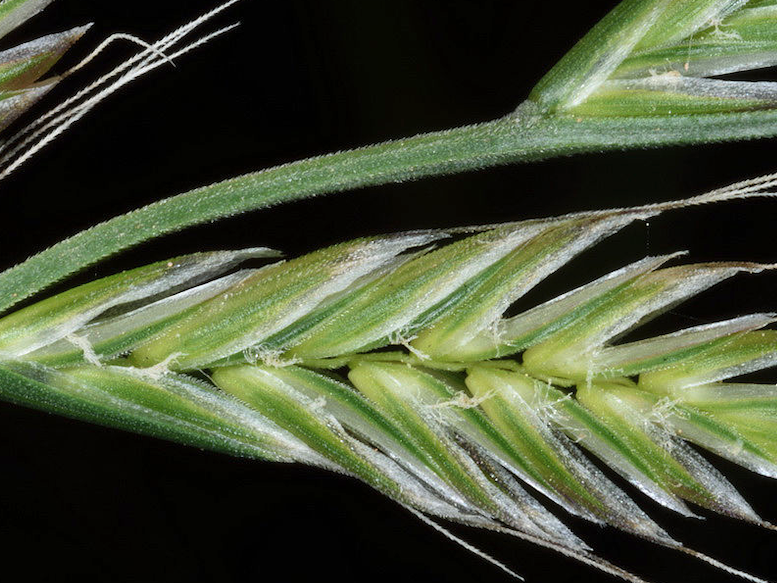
[[300, 78]]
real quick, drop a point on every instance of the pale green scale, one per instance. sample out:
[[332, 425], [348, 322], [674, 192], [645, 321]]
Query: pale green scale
[[745, 40], [749, 410], [563, 356], [531, 327], [499, 396], [350, 407], [682, 18], [448, 399], [294, 333], [664, 352], [22, 65], [269, 395], [175, 408], [526, 410], [737, 355], [267, 302], [689, 423], [381, 387], [675, 467], [13, 73], [728, 427], [392, 309], [443, 396], [486, 297], [15, 12], [589, 431], [110, 337], [569, 354], [33, 326]]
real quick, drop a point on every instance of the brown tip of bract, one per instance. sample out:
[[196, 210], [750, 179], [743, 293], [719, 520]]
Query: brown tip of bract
[[20, 101]]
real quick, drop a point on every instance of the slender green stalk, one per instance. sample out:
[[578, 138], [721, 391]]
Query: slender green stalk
[[521, 137], [624, 85]]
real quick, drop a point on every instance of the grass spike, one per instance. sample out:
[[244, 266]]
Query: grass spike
[[449, 408], [456, 438]]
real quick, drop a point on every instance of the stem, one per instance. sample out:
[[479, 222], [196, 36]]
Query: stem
[[526, 135]]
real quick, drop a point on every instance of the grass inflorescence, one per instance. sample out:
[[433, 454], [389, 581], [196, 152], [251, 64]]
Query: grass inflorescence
[[393, 358]]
